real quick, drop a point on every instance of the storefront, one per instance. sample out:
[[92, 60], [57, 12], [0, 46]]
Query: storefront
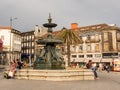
[[116, 64], [110, 55]]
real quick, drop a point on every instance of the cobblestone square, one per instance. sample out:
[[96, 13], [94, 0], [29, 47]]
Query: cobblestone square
[[107, 81]]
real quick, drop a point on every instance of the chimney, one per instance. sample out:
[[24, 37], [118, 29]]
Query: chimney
[[74, 25]]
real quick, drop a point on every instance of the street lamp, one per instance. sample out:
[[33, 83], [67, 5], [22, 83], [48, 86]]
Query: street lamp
[[11, 21], [11, 24]]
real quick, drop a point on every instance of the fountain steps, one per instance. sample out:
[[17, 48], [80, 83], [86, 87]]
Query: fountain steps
[[54, 75]]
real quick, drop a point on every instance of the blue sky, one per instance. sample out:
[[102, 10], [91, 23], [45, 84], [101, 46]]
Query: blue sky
[[64, 12]]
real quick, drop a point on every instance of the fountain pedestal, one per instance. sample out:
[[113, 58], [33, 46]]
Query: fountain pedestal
[[50, 57]]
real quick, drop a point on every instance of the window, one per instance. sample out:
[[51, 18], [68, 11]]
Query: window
[[81, 56], [105, 35], [88, 48], [74, 56], [88, 37], [32, 37], [89, 55], [97, 48], [32, 50], [73, 48], [96, 37], [32, 43], [118, 36], [106, 47], [119, 55], [118, 45], [2, 37], [97, 55], [93, 37], [80, 48], [27, 50]]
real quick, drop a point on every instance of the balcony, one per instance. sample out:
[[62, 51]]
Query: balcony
[[80, 51], [92, 41]]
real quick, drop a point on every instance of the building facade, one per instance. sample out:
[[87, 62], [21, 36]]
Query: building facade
[[27, 47], [101, 43], [11, 39], [30, 48]]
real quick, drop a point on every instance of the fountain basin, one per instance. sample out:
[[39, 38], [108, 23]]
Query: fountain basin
[[54, 75], [50, 41]]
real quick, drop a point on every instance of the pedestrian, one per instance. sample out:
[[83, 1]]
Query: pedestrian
[[100, 67], [89, 64], [94, 69], [12, 70], [107, 68]]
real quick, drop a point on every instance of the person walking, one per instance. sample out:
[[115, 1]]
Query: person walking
[[107, 68], [94, 69], [100, 67], [89, 64]]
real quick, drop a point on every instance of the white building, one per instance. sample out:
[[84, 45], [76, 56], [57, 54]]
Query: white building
[[30, 48], [11, 43]]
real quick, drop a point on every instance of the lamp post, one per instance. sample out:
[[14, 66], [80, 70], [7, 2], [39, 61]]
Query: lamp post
[[11, 21], [11, 24]]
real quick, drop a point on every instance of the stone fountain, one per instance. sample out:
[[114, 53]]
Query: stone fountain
[[50, 57], [49, 64]]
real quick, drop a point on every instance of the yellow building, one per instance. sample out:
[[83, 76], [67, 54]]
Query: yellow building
[[101, 43]]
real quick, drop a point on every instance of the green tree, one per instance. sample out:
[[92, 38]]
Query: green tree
[[69, 37]]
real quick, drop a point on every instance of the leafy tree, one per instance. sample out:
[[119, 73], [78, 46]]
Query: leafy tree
[[69, 37]]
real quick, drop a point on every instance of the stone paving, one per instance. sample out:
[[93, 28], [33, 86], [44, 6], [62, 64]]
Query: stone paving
[[107, 81]]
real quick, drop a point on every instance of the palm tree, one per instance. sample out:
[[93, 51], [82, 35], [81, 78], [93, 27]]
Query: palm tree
[[69, 37]]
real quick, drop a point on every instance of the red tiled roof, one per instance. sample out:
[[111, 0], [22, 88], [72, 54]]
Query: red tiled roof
[[90, 27]]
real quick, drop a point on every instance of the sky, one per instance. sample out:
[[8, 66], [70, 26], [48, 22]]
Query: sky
[[63, 12]]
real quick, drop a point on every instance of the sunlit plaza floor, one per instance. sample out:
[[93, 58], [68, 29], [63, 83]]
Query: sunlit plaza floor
[[107, 81]]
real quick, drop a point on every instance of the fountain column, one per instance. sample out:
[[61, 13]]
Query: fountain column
[[49, 57]]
